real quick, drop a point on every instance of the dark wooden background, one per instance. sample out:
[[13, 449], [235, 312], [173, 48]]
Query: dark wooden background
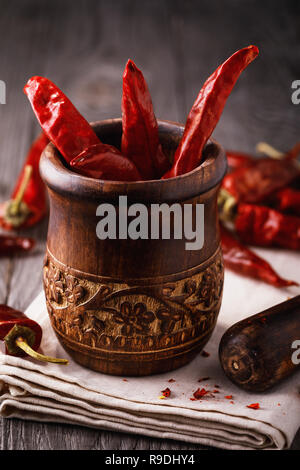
[[83, 46]]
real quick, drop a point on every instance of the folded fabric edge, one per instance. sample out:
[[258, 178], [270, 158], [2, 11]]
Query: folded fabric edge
[[41, 414]]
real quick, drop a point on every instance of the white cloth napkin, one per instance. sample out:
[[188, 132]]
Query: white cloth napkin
[[73, 394]]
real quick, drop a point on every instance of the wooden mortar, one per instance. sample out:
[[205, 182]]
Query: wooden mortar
[[131, 307]]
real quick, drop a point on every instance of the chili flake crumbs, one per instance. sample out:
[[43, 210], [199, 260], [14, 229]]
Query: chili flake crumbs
[[171, 381], [199, 393], [205, 354], [165, 393], [254, 406], [203, 379], [125, 380], [229, 397]]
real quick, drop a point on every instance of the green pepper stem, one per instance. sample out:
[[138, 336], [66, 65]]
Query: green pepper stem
[[227, 205], [19, 196], [21, 343]]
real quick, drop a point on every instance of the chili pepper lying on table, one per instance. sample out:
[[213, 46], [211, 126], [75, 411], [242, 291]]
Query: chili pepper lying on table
[[287, 200], [240, 259], [22, 336], [68, 130], [263, 226], [10, 245], [236, 159], [271, 175], [256, 183], [140, 140], [28, 203], [239, 160], [207, 110], [259, 225]]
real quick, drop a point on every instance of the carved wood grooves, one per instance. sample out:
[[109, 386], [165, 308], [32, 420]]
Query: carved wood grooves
[[119, 317]]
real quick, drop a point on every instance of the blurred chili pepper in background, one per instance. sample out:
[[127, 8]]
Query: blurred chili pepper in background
[[10, 245], [239, 160], [263, 226], [207, 110], [22, 336], [287, 200], [256, 183], [250, 195], [259, 225], [240, 259], [28, 203], [140, 140], [105, 162]]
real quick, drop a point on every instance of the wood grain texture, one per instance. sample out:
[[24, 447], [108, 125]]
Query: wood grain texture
[[83, 47]]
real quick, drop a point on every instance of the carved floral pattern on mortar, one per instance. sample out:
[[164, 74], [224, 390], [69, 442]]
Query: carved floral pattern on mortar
[[115, 315], [63, 289], [134, 318]]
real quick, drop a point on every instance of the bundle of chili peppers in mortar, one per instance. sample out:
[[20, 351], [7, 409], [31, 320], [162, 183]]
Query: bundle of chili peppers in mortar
[[141, 157]]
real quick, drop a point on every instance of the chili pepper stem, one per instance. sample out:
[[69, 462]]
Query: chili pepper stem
[[15, 204], [269, 151], [22, 344], [227, 206]]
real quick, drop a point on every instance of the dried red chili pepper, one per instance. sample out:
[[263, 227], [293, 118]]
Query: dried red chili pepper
[[205, 353], [105, 162], [207, 110], [258, 182], [254, 406], [240, 259], [239, 160], [200, 393], [73, 135], [262, 226], [287, 200], [10, 245], [166, 392], [58, 117], [22, 336], [140, 140], [28, 203]]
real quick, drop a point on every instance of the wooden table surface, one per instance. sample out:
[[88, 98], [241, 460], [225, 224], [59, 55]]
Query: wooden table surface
[[83, 46]]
